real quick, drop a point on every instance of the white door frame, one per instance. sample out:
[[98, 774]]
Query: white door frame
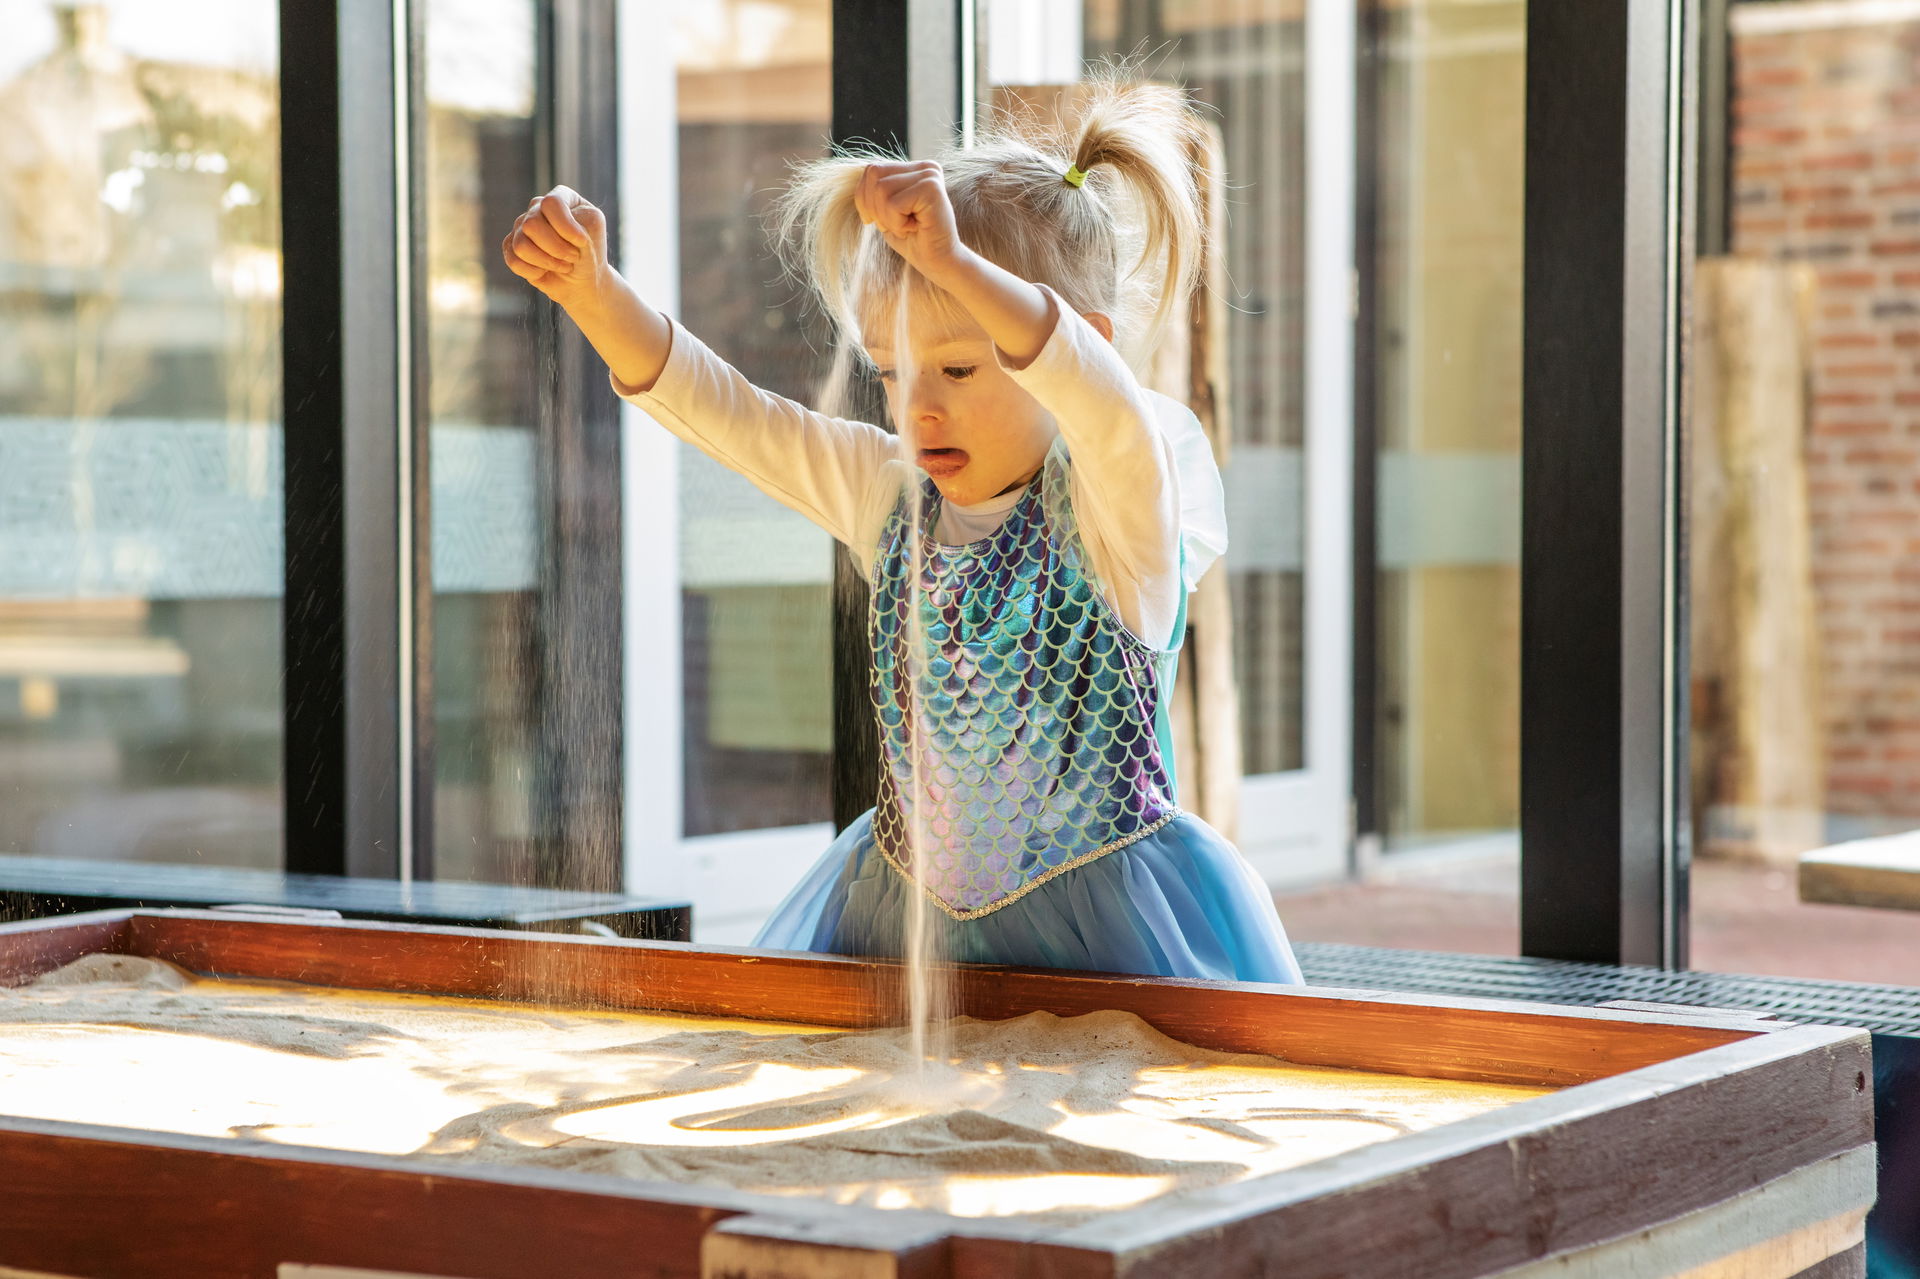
[[1297, 828]]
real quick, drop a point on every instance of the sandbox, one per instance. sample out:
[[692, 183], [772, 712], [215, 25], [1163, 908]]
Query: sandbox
[[470, 1104]]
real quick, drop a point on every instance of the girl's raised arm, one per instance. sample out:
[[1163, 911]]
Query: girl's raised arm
[[559, 245], [1126, 483], [821, 466]]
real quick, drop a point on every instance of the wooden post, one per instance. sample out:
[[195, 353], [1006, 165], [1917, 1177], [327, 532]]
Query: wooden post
[[880, 1247], [1759, 739]]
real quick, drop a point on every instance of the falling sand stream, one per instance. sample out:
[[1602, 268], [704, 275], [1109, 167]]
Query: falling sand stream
[[929, 984]]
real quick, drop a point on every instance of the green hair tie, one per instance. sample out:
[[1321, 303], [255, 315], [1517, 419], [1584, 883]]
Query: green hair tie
[[1075, 175]]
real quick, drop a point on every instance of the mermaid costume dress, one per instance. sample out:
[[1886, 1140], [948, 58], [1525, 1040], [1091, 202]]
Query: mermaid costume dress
[[1050, 836], [1013, 698]]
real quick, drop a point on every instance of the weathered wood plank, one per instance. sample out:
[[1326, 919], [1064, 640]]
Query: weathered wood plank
[[1511, 1186], [883, 1247], [1774, 1231], [1851, 1264], [1883, 872]]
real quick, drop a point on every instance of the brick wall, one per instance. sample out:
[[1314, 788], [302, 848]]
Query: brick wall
[[1825, 144]]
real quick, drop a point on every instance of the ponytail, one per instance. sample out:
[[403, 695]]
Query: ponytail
[[1146, 138], [1103, 207]]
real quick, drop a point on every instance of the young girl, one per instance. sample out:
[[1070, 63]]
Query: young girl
[[1067, 514]]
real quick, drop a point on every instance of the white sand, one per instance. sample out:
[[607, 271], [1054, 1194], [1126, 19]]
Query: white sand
[[1037, 1115]]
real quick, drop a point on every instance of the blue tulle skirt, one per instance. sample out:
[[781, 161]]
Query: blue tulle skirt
[[1181, 902]]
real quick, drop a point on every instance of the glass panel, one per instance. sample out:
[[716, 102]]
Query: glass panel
[[1246, 62], [1451, 149], [1442, 161], [480, 173], [140, 431], [1805, 621], [755, 93]]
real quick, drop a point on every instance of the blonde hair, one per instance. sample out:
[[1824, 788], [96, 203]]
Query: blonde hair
[[1126, 242]]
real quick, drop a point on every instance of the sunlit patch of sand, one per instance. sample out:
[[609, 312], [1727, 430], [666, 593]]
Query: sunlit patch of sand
[[1036, 1115]]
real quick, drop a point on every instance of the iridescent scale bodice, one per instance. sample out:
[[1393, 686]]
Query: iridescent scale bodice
[[1026, 723]]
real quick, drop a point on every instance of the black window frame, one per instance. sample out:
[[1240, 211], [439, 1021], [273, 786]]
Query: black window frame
[[1611, 99], [358, 614]]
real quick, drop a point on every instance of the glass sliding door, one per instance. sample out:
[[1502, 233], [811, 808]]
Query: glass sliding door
[[1281, 344], [484, 407], [729, 660], [140, 432], [1438, 309]]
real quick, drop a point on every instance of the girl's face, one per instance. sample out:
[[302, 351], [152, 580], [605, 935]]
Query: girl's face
[[961, 418]]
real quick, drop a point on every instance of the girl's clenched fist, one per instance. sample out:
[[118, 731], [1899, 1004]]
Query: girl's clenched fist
[[908, 201], [559, 245]]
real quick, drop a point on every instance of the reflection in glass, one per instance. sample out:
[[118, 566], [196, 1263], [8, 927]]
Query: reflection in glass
[[1447, 237], [140, 433], [1804, 472], [754, 93], [1248, 66], [480, 174]]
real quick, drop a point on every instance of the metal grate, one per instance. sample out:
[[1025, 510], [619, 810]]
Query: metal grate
[[1884, 1010]]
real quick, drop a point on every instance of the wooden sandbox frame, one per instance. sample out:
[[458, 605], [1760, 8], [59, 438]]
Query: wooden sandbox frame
[[1695, 1145]]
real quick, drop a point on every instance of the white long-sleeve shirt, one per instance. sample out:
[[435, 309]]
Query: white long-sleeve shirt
[[1143, 479]]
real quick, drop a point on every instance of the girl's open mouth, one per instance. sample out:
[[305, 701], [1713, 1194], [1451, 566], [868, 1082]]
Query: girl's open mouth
[[941, 462]]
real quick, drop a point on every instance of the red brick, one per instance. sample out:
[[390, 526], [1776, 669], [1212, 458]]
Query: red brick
[[1749, 108], [1839, 220], [1849, 188], [1900, 516], [1858, 161], [1761, 136], [1818, 193], [1876, 547], [1768, 77], [1851, 342], [1882, 457]]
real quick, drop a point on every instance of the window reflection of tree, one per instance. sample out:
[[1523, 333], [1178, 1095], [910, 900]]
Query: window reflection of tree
[[141, 232]]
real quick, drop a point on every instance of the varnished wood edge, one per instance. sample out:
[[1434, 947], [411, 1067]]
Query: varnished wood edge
[[1473, 1039], [1839, 883], [1552, 1117], [968, 974], [30, 947], [731, 1203]]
